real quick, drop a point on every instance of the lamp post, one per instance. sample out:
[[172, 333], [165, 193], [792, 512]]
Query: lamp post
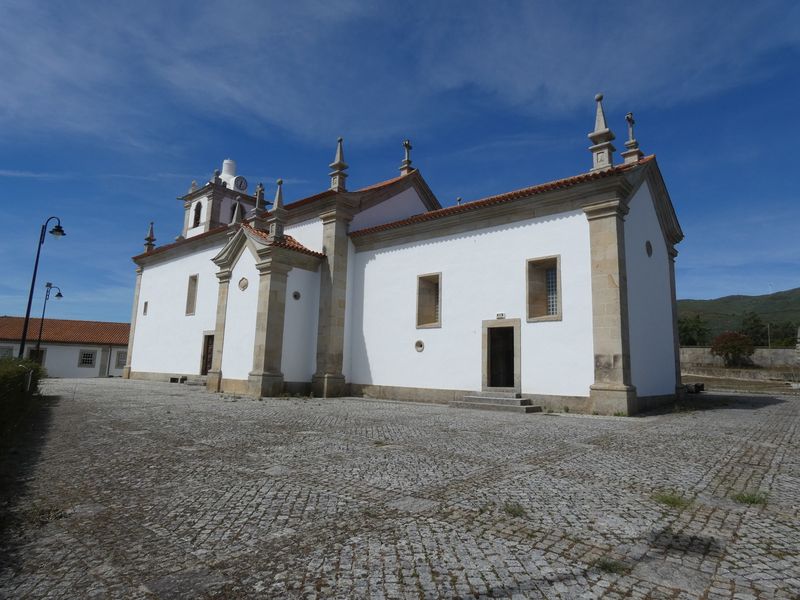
[[58, 232], [59, 295]]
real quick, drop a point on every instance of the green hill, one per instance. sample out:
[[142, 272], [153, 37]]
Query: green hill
[[725, 314]]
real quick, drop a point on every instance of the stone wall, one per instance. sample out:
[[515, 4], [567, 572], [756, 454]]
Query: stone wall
[[768, 358]]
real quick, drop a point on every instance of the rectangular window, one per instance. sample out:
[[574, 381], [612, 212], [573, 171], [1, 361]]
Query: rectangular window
[[544, 289], [37, 357], [429, 300], [191, 295], [6, 352], [86, 358], [122, 356], [144, 308]]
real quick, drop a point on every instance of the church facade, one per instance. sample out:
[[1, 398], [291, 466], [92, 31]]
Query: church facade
[[563, 292]]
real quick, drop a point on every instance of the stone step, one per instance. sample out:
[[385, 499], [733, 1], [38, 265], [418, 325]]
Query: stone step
[[516, 408], [495, 394], [496, 400]]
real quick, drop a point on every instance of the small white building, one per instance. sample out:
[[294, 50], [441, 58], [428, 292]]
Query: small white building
[[561, 293], [69, 348]]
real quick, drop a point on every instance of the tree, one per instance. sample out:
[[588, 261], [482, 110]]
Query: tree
[[734, 348], [753, 327], [783, 334], [693, 330]]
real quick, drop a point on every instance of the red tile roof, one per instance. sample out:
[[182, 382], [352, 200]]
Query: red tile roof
[[66, 331], [287, 242], [309, 199], [327, 193], [499, 199]]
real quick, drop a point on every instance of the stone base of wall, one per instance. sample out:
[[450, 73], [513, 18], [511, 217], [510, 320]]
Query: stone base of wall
[[240, 387], [411, 394], [165, 377], [549, 403]]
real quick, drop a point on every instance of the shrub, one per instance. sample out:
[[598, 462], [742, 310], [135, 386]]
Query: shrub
[[734, 348], [13, 393]]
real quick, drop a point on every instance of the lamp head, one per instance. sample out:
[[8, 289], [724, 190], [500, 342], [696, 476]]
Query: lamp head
[[59, 295], [57, 231]]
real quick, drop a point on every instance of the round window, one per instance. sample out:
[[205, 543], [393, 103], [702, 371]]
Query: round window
[[419, 345], [243, 283], [296, 295]]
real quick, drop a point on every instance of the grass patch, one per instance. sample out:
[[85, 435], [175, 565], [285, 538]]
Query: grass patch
[[609, 565], [671, 499], [752, 498], [380, 443], [515, 509]]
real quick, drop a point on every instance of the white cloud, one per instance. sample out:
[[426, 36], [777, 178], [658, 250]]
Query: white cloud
[[135, 73]]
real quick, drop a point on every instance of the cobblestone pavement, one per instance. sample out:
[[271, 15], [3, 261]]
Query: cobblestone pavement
[[139, 490]]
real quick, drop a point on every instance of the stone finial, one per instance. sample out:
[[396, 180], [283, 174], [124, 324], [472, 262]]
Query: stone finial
[[149, 241], [278, 202], [257, 212], [216, 178], [602, 150], [338, 165], [633, 154], [458, 201], [260, 196], [405, 166], [277, 216], [193, 187]]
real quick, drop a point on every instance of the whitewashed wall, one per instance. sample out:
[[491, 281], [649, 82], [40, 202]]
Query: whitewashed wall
[[61, 360], [483, 273], [166, 340], [240, 320], [299, 357], [403, 205], [649, 300], [308, 233]]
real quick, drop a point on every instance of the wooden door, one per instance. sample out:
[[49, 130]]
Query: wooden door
[[208, 354]]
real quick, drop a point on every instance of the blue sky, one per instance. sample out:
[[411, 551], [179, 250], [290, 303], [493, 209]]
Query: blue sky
[[108, 110]]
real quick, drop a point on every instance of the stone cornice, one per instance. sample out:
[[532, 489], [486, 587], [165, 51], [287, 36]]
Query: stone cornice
[[202, 241], [609, 208], [576, 197]]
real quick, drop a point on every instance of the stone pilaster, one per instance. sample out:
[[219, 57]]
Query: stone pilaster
[[328, 381], [673, 253], [612, 391], [214, 378], [126, 370], [266, 378]]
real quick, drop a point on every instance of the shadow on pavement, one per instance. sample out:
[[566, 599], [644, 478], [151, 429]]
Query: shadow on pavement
[[20, 450], [715, 401]]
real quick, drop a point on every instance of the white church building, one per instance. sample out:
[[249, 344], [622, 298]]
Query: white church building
[[560, 295]]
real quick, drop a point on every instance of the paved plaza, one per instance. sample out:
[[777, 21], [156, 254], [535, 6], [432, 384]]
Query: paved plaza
[[127, 489]]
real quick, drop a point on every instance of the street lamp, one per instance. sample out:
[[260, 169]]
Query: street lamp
[[59, 295], [58, 232]]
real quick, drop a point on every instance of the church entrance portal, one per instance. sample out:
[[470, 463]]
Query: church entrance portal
[[502, 364]]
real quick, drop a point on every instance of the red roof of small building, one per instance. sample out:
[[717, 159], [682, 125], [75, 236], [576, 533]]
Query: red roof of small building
[[66, 331], [499, 199]]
